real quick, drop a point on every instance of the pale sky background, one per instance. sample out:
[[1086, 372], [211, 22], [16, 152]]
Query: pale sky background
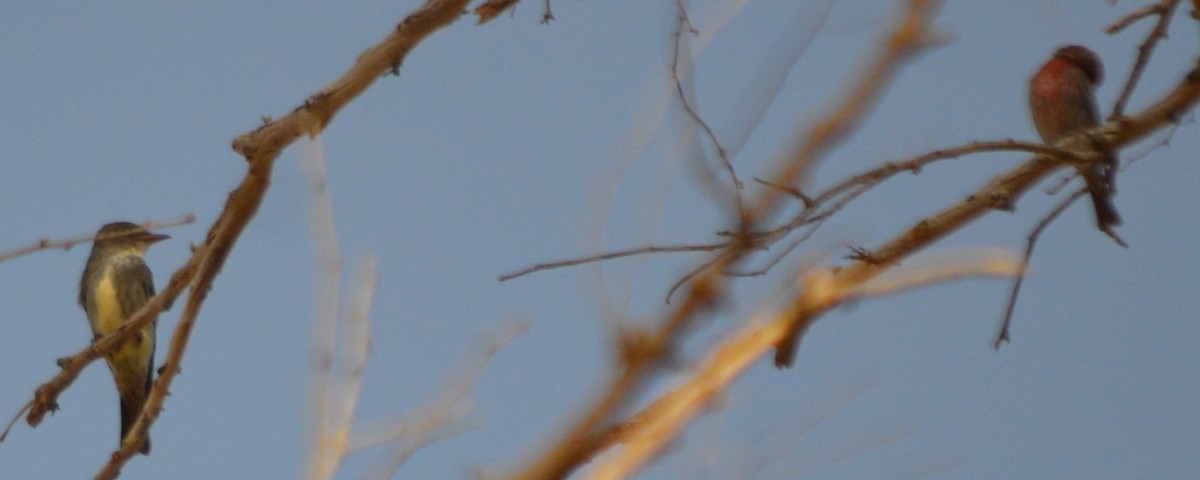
[[495, 149]]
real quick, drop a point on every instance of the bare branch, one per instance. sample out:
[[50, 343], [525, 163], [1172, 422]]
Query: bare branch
[[689, 276], [647, 433], [1030, 242], [260, 148], [683, 24], [1129, 19], [7, 428], [795, 192], [906, 40], [1164, 11], [45, 398], [438, 418], [1002, 189], [641, 352], [613, 255]]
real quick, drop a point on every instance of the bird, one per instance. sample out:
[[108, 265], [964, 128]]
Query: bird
[[116, 284], [1062, 103]]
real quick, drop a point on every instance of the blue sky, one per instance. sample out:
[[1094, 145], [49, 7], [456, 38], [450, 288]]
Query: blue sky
[[497, 147]]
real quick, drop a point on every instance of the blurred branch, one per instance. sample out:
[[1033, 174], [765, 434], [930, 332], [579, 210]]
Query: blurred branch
[[647, 433], [66, 243], [325, 453], [332, 399], [642, 352], [336, 397], [438, 418], [905, 41]]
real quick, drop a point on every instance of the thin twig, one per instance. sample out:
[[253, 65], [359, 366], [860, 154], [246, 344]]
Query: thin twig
[[917, 163], [677, 78], [1030, 243], [795, 192], [1127, 20], [613, 255], [847, 190], [15, 418], [689, 276], [1164, 10], [67, 243]]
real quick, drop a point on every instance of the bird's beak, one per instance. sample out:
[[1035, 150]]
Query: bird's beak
[[152, 237]]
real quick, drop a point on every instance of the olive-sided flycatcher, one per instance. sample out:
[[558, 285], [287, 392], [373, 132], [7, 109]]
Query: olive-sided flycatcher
[[116, 284]]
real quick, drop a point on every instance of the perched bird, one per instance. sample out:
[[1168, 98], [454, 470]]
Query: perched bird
[[116, 284], [1063, 102]]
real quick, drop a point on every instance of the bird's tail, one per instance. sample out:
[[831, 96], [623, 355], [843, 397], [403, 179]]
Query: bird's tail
[[1100, 187], [132, 400]]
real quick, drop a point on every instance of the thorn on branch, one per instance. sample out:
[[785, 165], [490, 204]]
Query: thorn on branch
[[808, 201], [860, 254], [316, 98], [750, 237], [547, 15], [1001, 200]]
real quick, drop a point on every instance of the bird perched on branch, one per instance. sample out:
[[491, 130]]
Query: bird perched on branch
[[1063, 103], [116, 284]]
